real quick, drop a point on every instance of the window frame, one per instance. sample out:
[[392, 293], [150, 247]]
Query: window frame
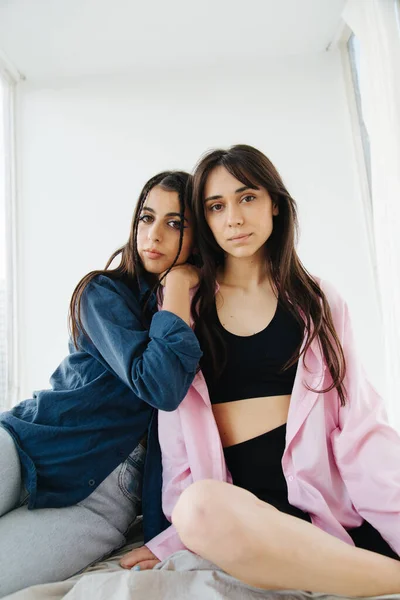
[[360, 141], [355, 75], [9, 78]]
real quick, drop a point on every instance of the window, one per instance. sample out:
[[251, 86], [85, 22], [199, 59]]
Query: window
[[8, 364], [361, 139], [3, 302], [376, 48], [354, 49]]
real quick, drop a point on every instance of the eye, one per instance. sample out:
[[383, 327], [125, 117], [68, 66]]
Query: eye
[[248, 198], [175, 225], [215, 207], [146, 219]]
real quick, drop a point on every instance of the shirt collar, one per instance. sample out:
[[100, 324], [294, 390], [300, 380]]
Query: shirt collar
[[143, 286]]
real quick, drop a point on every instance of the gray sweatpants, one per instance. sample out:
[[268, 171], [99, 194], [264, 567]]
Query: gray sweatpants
[[51, 544]]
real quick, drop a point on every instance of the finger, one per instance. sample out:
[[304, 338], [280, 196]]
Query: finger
[[145, 565], [134, 556], [128, 562]]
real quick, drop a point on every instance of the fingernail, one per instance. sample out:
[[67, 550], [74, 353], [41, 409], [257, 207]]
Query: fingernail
[[136, 568]]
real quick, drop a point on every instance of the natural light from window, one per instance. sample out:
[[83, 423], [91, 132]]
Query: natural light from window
[[3, 303]]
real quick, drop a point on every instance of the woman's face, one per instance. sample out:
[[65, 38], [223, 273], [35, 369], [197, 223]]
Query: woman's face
[[159, 230], [240, 218]]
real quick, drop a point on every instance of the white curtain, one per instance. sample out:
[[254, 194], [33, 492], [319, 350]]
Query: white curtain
[[376, 25]]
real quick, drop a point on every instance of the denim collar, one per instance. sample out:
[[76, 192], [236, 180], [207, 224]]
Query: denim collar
[[143, 286]]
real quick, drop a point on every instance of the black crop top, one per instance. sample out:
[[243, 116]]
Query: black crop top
[[254, 362]]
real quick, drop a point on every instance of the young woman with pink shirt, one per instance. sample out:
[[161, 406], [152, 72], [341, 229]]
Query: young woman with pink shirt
[[281, 408]]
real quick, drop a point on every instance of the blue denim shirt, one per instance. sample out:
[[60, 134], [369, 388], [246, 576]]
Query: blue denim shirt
[[102, 400]]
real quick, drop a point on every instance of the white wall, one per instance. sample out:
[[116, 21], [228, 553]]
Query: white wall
[[86, 148]]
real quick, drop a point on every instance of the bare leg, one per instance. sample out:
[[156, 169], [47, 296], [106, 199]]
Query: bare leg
[[263, 547]]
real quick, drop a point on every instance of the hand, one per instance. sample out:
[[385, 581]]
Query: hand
[[139, 557], [187, 272]]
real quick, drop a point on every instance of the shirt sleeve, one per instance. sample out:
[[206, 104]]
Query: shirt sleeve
[[366, 447], [159, 364], [176, 478]]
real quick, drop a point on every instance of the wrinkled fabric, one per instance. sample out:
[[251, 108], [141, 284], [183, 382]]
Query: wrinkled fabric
[[103, 397], [184, 575]]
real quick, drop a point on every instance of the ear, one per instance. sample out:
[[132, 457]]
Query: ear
[[275, 210]]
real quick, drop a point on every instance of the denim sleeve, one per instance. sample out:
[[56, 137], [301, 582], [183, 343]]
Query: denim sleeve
[[157, 365]]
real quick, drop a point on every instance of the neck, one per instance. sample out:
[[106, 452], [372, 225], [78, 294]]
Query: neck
[[245, 273]]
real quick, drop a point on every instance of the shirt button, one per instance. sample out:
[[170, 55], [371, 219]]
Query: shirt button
[[290, 478], [91, 482]]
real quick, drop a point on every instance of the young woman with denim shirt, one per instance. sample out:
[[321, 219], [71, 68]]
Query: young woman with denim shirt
[[287, 414], [71, 458]]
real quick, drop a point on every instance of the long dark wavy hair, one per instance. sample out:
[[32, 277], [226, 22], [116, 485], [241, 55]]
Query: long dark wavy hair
[[130, 269], [298, 291]]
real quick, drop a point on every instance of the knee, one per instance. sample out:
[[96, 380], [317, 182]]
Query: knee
[[197, 514]]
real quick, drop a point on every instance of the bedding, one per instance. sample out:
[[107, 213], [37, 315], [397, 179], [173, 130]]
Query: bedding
[[182, 576]]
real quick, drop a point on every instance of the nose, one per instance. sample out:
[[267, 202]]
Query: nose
[[154, 232], [235, 217]]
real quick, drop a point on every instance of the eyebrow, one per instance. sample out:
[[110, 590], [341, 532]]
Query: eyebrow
[[170, 214], [238, 191]]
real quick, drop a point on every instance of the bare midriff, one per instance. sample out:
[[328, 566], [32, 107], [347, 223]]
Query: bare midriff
[[242, 420]]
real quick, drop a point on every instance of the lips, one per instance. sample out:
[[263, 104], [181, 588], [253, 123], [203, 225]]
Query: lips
[[242, 236], [153, 254]]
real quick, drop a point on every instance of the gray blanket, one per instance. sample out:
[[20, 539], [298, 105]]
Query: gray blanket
[[183, 576]]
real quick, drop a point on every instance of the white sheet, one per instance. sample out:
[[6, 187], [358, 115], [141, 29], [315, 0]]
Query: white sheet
[[183, 576]]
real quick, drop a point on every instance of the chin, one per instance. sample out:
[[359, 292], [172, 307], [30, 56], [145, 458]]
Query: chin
[[244, 253], [150, 267]]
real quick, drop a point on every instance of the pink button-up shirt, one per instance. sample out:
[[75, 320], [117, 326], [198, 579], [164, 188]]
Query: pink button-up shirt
[[342, 464]]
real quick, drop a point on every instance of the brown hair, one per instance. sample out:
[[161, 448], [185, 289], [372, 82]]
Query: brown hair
[[130, 267], [298, 291]]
